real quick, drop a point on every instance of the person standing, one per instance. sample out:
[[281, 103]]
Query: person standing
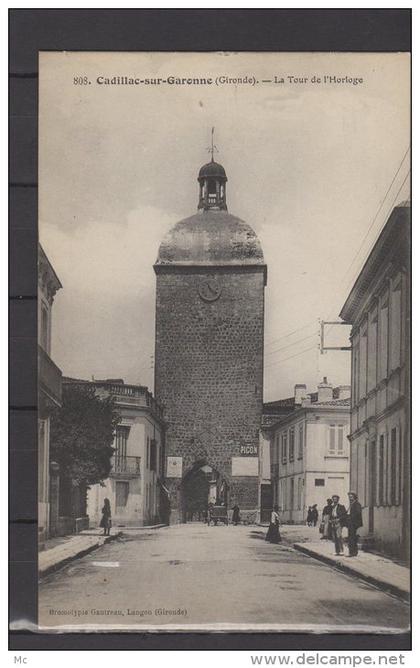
[[354, 522], [338, 520], [309, 517], [326, 520], [314, 515], [165, 509], [236, 515], [273, 533], [106, 517], [210, 512]]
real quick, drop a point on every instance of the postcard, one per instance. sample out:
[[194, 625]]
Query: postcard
[[224, 342]]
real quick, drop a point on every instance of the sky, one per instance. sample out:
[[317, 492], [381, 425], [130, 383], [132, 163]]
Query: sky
[[314, 167]]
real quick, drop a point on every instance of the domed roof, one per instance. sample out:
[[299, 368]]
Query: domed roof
[[212, 169], [210, 238]]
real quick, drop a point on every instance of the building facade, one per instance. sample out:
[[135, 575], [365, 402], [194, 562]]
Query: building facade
[[49, 395], [135, 486], [309, 450], [265, 497], [378, 308], [210, 279]]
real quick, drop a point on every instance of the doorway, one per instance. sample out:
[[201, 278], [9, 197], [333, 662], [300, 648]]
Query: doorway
[[200, 486], [372, 486], [292, 498]]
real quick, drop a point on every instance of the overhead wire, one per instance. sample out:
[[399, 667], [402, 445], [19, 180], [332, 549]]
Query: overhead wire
[[351, 263], [291, 356], [293, 343], [284, 336], [352, 279], [378, 211]]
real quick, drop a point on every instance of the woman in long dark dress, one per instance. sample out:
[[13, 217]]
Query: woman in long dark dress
[[236, 516], [273, 533], [106, 517], [310, 517]]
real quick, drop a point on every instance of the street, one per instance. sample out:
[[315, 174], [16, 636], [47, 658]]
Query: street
[[195, 576]]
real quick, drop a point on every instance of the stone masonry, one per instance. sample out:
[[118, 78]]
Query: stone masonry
[[209, 359], [209, 350]]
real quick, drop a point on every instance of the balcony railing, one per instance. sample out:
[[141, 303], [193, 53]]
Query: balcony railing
[[125, 467], [135, 392], [49, 376]]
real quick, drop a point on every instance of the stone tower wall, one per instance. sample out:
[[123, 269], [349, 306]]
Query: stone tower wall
[[209, 369]]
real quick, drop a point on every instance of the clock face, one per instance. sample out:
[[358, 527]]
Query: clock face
[[209, 289]]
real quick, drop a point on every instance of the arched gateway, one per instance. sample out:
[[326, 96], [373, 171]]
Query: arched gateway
[[200, 486], [210, 279]]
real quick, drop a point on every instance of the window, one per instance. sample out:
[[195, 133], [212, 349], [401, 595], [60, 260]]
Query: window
[[372, 351], [355, 375], [362, 365], [395, 333], [319, 482], [121, 493], [300, 447], [394, 466], [44, 328], [383, 342], [299, 493], [212, 187], [291, 444], [381, 469], [42, 433], [275, 457], [153, 454], [336, 440], [284, 447], [277, 450], [367, 473], [121, 438]]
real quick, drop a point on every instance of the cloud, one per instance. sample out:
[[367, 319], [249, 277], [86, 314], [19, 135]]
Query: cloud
[[103, 319], [118, 257]]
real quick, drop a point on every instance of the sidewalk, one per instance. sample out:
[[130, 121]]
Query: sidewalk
[[373, 568], [59, 551]]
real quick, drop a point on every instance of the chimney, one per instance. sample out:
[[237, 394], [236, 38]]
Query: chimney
[[343, 392], [325, 391], [306, 401], [300, 393]]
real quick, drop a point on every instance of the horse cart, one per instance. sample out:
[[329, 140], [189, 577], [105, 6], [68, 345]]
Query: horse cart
[[218, 514]]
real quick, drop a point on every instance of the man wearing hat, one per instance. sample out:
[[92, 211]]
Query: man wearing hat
[[338, 520], [354, 522]]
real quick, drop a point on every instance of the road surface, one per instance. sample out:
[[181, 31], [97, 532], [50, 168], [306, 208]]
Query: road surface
[[199, 577]]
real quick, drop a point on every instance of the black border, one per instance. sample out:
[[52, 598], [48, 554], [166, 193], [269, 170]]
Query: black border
[[32, 30]]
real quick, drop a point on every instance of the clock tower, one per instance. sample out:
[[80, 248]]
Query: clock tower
[[210, 279]]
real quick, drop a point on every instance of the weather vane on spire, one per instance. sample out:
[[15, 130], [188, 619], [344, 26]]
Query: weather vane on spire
[[211, 149]]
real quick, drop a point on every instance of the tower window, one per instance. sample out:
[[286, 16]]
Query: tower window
[[212, 187]]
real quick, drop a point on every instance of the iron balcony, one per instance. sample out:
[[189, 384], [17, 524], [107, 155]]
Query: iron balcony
[[125, 467]]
